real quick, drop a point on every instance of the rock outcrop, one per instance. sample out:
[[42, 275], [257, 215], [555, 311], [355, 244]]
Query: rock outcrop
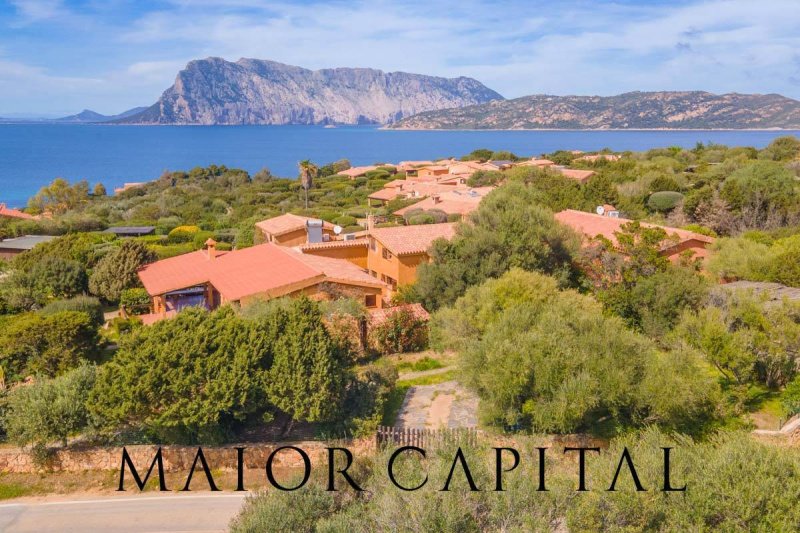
[[252, 91]]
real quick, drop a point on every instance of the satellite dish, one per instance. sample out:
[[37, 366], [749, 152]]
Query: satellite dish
[[600, 210], [337, 230]]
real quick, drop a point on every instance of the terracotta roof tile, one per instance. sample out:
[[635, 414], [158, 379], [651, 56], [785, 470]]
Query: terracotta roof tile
[[352, 243], [576, 174], [405, 240], [14, 213], [354, 172], [593, 225], [388, 193], [286, 223], [266, 268], [452, 200], [337, 269]]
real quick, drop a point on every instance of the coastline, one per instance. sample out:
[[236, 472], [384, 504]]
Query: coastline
[[388, 128], [384, 127]]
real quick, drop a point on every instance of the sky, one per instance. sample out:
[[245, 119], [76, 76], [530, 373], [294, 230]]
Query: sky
[[58, 57]]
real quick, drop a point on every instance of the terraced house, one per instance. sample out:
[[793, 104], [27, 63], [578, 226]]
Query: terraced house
[[678, 242], [210, 278]]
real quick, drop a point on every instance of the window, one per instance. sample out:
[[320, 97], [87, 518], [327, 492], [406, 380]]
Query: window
[[372, 244], [391, 281], [386, 254], [371, 300]]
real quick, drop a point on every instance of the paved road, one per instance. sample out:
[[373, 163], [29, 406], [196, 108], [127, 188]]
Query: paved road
[[124, 514]]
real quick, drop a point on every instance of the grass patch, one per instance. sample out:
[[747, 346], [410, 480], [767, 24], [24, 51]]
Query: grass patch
[[10, 490], [421, 365], [393, 404], [428, 380]]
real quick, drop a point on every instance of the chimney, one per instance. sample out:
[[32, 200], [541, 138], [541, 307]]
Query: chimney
[[211, 248], [436, 198], [370, 222]]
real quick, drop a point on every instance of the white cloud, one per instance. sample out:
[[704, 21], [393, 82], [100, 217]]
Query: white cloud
[[516, 48]]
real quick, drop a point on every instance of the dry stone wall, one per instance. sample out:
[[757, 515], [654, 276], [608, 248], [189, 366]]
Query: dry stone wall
[[175, 458]]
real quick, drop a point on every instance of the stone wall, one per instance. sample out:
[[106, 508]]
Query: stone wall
[[176, 458]]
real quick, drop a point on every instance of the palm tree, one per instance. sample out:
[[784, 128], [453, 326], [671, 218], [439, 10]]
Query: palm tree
[[308, 171]]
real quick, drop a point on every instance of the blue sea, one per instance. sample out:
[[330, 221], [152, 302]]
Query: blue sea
[[31, 155]]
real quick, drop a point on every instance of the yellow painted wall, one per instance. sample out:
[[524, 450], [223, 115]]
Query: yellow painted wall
[[402, 269]]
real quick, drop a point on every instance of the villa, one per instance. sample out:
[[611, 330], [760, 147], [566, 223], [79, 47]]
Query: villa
[[209, 278], [457, 201], [607, 225], [395, 253], [391, 255]]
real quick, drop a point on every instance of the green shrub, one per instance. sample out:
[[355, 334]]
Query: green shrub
[[182, 234], [121, 326], [357, 213], [200, 238], [664, 201], [664, 183], [86, 304], [401, 332], [422, 218], [34, 344], [549, 360], [136, 301], [345, 220], [790, 398], [49, 410], [118, 270]]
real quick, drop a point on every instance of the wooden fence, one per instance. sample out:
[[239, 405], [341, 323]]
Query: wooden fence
[[426, 438]]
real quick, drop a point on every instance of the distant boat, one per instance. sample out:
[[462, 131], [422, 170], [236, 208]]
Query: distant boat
[[329, 126]]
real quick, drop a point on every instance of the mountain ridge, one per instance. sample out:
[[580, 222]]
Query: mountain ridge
[[631, 110], [255, 91], [89, 116]]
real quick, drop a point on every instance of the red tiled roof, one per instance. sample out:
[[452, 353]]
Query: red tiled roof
[[396, 183], [576, 174], [379, 316], [593, 225], [355, 172], [452, 200], [410, 165], [338, 269], [14, 213], [405, 240], [537, 163], [266, 268], [352, 243], [286, 223], [388, 193]]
